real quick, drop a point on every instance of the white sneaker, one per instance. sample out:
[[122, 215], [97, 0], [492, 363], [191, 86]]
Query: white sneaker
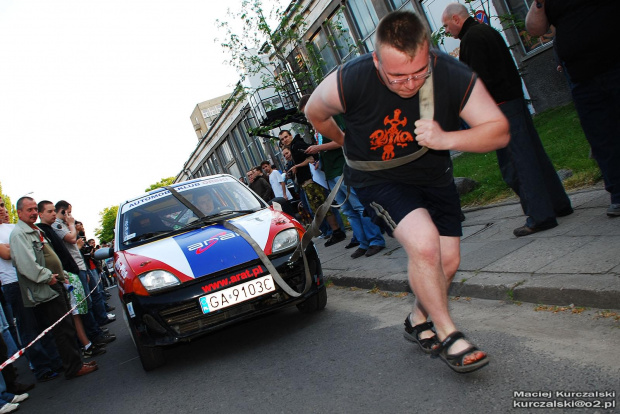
[[8, 408], [19, 398], [111, 316]]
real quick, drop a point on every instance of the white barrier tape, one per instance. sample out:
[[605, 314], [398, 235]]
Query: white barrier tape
[[21, 351]]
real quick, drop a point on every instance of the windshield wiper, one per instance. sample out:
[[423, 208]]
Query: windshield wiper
[[213, 218], [227, 212]]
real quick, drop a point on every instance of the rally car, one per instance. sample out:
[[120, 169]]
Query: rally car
[[204, 254]]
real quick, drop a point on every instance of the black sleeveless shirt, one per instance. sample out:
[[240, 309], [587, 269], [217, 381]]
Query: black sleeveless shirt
[[372, 112]]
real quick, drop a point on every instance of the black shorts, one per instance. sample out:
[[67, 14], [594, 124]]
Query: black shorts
[[388, 203]]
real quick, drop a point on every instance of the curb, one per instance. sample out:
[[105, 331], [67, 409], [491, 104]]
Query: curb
[[517, 288]]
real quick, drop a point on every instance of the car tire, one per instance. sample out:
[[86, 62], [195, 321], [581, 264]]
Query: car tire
[[150, 357], [315, 303]]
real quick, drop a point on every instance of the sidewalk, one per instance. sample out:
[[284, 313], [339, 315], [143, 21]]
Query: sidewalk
[[576, 263]]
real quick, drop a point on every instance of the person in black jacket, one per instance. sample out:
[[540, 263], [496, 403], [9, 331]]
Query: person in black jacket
[[47, 216], [524, 164]]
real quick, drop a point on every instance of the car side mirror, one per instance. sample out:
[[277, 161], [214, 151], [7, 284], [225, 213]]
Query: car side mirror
[[104, 253]]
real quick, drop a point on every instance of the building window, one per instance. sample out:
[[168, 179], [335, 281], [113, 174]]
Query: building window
[[333, 44], [402, 5], [518, 12], [366, 20]]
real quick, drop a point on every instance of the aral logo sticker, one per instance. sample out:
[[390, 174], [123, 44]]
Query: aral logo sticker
[[214, 248], [203, 246]]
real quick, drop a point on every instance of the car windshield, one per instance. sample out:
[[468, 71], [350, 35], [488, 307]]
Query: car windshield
[[160, 213]]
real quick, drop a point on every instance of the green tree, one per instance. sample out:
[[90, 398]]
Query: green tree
[[9, 206], [257, 51], [161, 183], [105, 233]]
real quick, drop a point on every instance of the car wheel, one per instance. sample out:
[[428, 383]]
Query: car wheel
[[315, 303], [150, 357]]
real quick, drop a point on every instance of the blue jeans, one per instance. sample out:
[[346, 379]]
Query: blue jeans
[[527, 169], [95, 301], [43, 354], [91, 327], [597, 101], [5, 396], [11, 347], [365, 231]]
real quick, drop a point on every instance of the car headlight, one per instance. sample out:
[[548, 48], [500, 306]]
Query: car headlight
[[158, 279], [285, 240]]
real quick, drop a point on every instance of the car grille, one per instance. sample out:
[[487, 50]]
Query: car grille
[[188, 318]]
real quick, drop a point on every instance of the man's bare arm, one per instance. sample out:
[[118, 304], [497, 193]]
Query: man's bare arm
[[5, 251], [322, 106], [536, 22], [313, 149], [489, 129], [283, 190]]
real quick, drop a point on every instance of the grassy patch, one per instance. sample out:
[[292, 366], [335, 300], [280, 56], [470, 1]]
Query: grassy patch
[[565, 143], [608, 314], [557, 309]]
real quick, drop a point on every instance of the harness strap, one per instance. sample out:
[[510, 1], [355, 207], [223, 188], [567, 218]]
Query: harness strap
[[272, 269], [427, 111]]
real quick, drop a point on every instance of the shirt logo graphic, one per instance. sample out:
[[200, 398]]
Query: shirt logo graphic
[[387, 138]]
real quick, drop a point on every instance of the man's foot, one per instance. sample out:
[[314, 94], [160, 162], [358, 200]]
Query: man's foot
[[19, 398], [104, 339], [459, 354], [8, 408], [566, 212], [19, 388], [526, 230], [352, 244], [422, 334], [358, 253], [337, 237], [93, 350], [613, 210], [85, 370], [372, 250], [48, 376]]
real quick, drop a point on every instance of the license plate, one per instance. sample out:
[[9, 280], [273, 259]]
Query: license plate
[[236, 294]]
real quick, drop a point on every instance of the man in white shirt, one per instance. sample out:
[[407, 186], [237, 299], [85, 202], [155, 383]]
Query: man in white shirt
[[277, 183]]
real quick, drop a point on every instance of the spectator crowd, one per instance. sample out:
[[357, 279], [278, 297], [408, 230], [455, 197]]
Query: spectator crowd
[[50, 278]]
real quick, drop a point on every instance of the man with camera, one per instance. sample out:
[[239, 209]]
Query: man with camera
[[65, 227]]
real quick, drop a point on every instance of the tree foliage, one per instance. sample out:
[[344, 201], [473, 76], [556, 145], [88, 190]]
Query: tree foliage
[[161, 183], [260, 51], [9, 206], [105, 233]]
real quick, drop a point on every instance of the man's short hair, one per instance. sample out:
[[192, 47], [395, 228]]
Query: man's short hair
[[258, 169], [20, 203], [61, 205], [402, 30], [283, 131], [42, 204], [302, 102], [456, 9], [265, 163], [77, 223]]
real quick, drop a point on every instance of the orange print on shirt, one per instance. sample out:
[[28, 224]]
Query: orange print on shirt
[[391, 136]]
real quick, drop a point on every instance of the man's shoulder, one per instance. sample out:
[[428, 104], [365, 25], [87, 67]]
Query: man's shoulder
[[6, 228], [20, 230], [60, 227]]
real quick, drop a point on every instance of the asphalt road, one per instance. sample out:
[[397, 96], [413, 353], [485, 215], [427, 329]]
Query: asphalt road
[[352, 358]]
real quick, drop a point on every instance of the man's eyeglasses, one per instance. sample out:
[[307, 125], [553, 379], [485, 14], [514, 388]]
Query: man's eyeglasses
[[401, 81]]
